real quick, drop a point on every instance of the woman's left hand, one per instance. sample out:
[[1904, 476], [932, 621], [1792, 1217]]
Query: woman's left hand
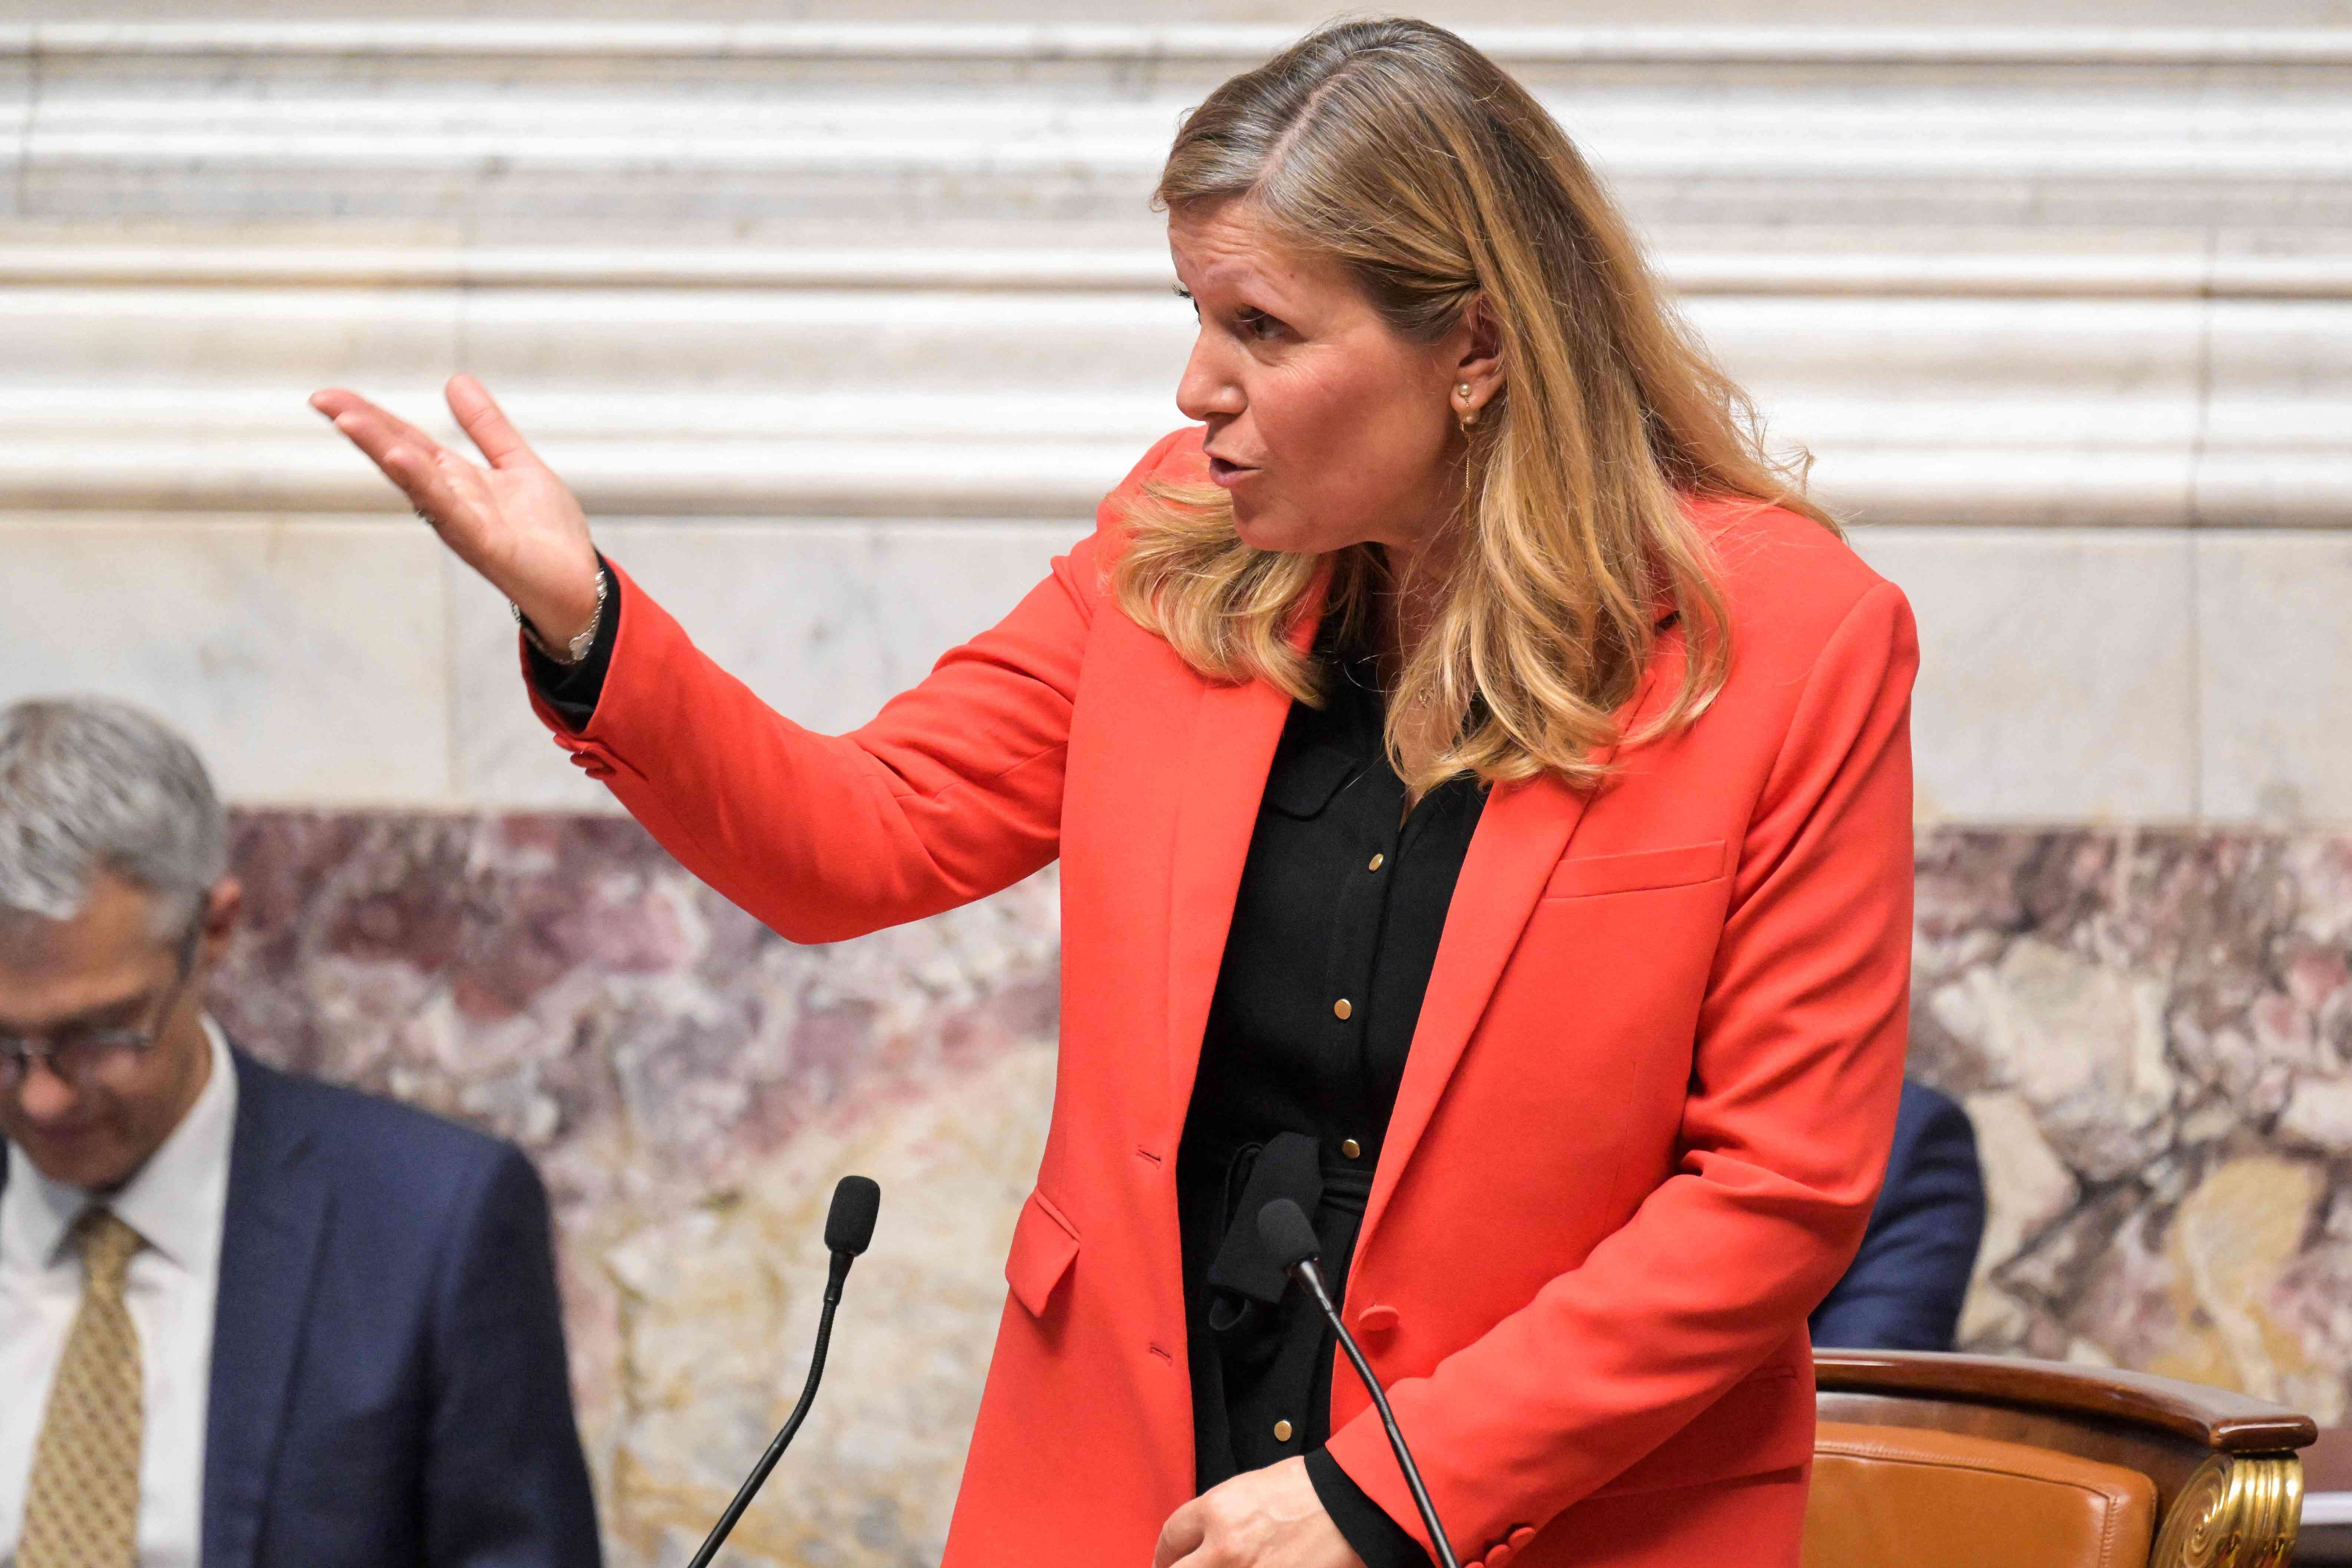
[[1264, 1519]]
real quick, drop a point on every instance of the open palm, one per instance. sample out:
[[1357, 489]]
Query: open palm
[[513, 521]]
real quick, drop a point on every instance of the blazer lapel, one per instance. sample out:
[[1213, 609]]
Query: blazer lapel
[[277, 1216], [1521, 834], [1234, 732]]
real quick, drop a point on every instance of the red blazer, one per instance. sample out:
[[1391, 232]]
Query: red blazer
[[1645, 1111]]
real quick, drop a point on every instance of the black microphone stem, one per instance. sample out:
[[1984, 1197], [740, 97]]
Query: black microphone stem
[[759, 1476], [1313, 1278]]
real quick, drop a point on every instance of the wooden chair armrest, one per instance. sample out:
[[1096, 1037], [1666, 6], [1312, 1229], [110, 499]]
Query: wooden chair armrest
[[2219, 1419]]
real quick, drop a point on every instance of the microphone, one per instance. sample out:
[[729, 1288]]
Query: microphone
[[1290, 1240], [848, 1230]]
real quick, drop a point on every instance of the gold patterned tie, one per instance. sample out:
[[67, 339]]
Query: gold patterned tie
[[81, 1510]]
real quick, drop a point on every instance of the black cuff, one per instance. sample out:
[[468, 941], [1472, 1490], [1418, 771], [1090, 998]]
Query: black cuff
[[571, 689], [1379, 1539]]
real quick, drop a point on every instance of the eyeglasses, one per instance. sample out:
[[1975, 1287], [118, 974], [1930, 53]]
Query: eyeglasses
[[75, 1054]]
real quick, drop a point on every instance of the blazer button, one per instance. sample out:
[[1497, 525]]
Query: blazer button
[[1343, 1008], [1282, 1431], [1350, 1148], [1377, 862]]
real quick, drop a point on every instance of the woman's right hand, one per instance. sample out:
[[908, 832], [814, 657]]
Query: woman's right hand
[[513, 521]]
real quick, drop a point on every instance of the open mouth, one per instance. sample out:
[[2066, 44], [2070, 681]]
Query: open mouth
[[1224, 473]]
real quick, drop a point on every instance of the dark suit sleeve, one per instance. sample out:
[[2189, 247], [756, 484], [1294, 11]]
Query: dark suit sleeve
[[1904, 1289], [504, 1480], [571, 690], [1373, 1536]]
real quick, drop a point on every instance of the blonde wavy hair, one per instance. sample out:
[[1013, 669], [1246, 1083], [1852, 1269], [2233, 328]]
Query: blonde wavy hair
[[1413, 160]]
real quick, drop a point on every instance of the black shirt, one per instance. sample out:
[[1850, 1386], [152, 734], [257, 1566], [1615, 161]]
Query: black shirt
[[1335, 929]]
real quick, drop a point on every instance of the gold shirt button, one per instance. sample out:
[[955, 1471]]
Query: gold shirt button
[[1350, 1148], [1342, 1008], [1282, 1431], [1377, 860]]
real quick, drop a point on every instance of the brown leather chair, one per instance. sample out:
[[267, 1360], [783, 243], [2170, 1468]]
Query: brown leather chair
[[1958, 1461]]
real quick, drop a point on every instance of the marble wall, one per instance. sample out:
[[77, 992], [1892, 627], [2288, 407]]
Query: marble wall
[[840, 328], [2150, 1027], [691, 1087], [840, 317]]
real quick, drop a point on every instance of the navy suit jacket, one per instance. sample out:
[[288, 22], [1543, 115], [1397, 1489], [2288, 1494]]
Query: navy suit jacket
[[389, 1386], [1904, 1288]]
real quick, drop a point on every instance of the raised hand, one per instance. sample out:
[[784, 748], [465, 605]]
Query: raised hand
[[513, 521]]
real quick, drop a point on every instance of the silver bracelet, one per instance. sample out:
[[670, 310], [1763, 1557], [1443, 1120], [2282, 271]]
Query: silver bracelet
[[577, 649]]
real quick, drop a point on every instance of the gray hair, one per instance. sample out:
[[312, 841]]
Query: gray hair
[[88, 785]]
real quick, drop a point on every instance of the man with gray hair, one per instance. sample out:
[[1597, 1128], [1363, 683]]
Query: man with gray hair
[[245, 1320]]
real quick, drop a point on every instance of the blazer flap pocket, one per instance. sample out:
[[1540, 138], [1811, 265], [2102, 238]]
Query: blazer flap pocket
[[1044, 1243], [1582, 876]]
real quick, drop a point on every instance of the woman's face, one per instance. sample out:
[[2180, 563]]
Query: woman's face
[[1327, 427]]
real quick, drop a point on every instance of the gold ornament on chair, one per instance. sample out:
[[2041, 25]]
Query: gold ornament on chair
[[2235, 1512]]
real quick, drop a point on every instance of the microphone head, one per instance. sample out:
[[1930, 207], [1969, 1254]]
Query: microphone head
[[849, 1226], [1289, 1239]]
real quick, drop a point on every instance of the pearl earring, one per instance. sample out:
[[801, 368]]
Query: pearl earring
[[1469, 416]]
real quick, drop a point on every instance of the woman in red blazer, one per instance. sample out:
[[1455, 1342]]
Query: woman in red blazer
[[1452, 466]]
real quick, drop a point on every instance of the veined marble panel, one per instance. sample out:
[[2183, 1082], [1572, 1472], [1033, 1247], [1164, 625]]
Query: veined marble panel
[[2107, 675], [2150, 1029], [691, 1087], [2057, 672], [304, 657], [2275, 656]]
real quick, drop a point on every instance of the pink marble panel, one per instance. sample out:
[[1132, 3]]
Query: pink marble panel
[[2150, 1028], [690, 1086]]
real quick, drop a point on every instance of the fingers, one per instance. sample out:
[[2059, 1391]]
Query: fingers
[[434, 480], [432, 488], [373, 430], [356, 416], [1181, 1535], [487, 423]]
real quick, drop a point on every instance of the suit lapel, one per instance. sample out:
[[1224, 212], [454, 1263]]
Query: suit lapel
[[1522, 832], [276, 1217], [1234, 732]]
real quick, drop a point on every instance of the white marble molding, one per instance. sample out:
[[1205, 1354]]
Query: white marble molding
[[2048, 276], [841, 329]]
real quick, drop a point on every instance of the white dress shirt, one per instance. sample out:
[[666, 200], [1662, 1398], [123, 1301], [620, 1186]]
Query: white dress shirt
[[175, 1202]]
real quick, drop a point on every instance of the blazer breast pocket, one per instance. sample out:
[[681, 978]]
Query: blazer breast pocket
[[1588, 876]]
